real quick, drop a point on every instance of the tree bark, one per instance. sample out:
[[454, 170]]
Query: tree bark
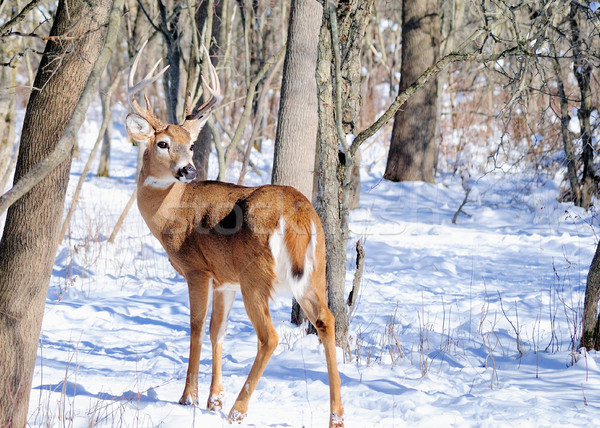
[[202, 144], [590, 337], [297, 124], [582, 69], [412, 149], [29, 242], [104, 162]]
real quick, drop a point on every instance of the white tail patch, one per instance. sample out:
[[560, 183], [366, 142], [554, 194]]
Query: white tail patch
[[284, 276]]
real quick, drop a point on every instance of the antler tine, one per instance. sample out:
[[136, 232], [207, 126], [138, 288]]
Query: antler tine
[[213, 88], [133, 89]]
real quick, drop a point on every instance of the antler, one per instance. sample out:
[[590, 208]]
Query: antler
[[214, 89], [133, 89]]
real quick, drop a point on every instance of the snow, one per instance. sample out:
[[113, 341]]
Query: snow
[[444, 314]]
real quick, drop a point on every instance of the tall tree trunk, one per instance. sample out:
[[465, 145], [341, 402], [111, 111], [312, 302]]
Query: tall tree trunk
[[29, 242], [329, 189], [297, 124], [206, 8], [169, 28], [338, 63], [590, 337], [104, 162], [413, 145], [582, 69]]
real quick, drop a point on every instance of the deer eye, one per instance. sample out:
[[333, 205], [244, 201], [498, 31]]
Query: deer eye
[[163, 144], [192, 147]]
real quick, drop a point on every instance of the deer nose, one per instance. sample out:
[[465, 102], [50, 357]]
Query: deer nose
[[188, 171]]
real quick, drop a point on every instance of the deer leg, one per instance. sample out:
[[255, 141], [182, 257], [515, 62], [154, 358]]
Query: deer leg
[[222, 302], [313, 304], [198, 288], [257, 307]]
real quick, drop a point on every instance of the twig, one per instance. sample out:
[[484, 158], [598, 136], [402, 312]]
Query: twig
[[119, 223], [460, 208], [105, 122], [20, 16]]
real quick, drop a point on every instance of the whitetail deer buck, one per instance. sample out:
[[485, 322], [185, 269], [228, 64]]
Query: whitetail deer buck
[[222, 238]]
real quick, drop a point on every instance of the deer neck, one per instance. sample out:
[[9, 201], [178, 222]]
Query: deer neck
[[158, 196]]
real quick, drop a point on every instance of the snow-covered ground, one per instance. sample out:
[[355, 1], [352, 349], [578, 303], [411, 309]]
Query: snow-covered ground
[[467, 324]]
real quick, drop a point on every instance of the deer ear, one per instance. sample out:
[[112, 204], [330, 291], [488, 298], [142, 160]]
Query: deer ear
[[139, 129], [194, 126]]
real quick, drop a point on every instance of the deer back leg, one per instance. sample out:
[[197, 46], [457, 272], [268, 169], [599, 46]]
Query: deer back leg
[[313, 304], [256, 301], [222, 302]]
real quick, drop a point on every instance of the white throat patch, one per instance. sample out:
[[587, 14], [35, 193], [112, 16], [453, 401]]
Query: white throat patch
[[160, 183]]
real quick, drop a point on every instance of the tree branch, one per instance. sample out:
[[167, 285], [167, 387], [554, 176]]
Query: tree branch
[[65, 144], [428, 74], [19, 17]]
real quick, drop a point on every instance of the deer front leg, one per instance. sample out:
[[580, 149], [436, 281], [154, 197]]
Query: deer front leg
[[198, 287], [222, 302]]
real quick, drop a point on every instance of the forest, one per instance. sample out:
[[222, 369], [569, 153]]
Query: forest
[[449, 148]]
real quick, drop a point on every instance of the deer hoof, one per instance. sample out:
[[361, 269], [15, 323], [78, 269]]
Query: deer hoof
[[336, 421], [236, 416], [188, 400], [215, 401]]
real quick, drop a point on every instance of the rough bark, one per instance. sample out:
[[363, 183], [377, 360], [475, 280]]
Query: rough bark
[[565, 135], [329, 190], [209, 15], [295, 141], [412, 149], [28, 245], [590, 337], [582, 69]]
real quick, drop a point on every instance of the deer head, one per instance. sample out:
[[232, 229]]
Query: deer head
[[169, 146]]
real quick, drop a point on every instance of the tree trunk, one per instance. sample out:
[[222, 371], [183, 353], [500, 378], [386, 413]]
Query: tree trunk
[[590, 337], [338, 63], [328, 196], [564, 132], [297, 124], [29, 242], [104, 163], [203, 143], [169, 28], [582, 69], [412, 148]]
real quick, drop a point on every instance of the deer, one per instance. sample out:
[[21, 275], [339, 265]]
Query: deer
[[223, 238]]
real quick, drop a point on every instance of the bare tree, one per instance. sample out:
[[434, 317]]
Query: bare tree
[[29, 242], [334, 167]]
